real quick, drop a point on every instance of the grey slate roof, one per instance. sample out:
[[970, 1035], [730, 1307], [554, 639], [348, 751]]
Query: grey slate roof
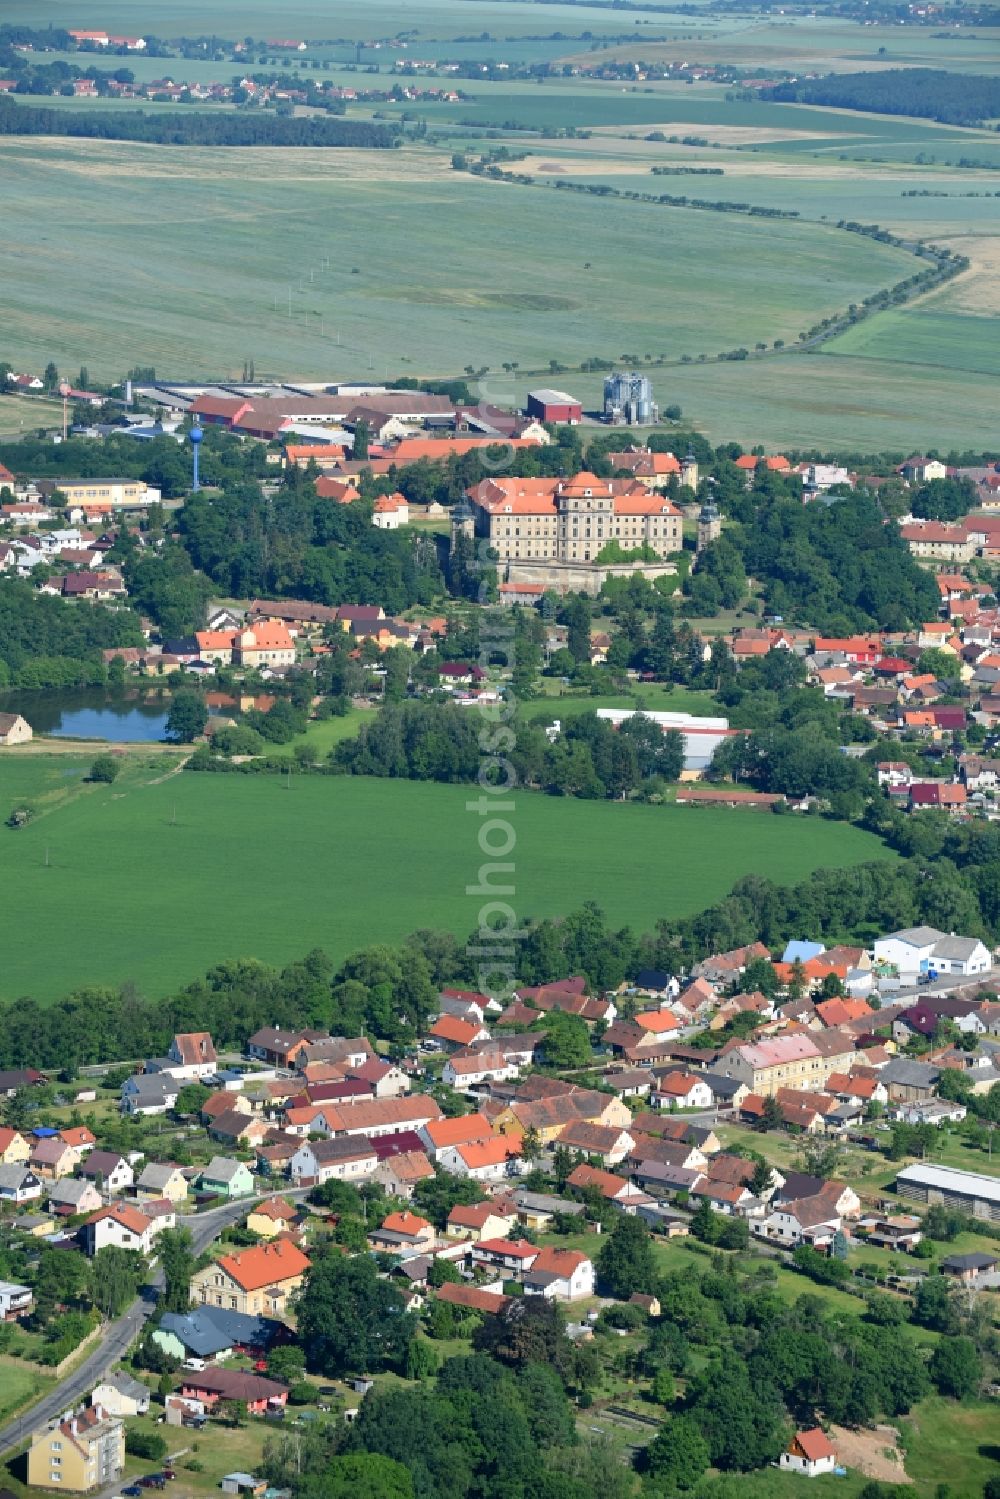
[[907, 1073]]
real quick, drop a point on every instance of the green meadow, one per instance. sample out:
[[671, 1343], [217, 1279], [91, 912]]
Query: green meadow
[[152, 880]]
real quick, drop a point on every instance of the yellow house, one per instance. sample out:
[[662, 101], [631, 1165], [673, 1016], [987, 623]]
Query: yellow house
[[480, 1220], [162, 1181], [550, 1116], [257, 1281], [270, 1218], [86, 1451], [14, 1148], [37, 1225], [52, 1159]]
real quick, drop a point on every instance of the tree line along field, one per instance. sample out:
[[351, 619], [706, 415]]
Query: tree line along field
[[156, 879], [450, 269]]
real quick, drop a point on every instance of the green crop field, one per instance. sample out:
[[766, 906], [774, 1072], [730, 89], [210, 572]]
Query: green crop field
[[923, 336], [815, 400], [450, 270], [323, 18], [333, 264], [153, 880]]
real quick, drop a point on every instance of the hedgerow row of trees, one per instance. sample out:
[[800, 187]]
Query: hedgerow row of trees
[[193, 127]]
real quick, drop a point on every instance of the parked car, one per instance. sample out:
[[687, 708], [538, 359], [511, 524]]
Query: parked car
[[196, 1364], [132, 1492]]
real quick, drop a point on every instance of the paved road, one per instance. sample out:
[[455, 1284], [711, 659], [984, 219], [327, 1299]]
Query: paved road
[[119, 1335]]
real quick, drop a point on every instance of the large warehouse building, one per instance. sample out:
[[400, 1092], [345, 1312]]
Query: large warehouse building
[[702, 736], [554, 406], [967, 1190]]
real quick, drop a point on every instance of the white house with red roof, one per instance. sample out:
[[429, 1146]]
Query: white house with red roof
[[193, 1055], [810, 1453], [391, 512], [683, 1090], [560, 1275], [124, 1227]]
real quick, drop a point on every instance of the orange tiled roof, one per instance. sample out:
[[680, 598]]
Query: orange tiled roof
[[266, 1265]]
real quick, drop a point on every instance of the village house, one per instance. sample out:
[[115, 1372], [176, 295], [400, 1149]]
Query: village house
[[375, 1117], [257, 1394], [550, 1115], [14, 729], [969, 1267], [124, 1227], [74, 1195], [226, 1178], [682, 1090], [280, 1048], [85, 1450], [453, 1034], [491, 1219], [466, 1070], [559, 1275], [237, 1126], [809, 1453], [80, 1137], [810, 1220], [149, 1093], [19, 1184], [121, 1395], [193, 1055], [403, 1233], [272, 1217], [161, 1182], [52, 1158], [256, 1281], [605, 1143], [14, 1148], [485, 1161], [465, 1129], [400, 1173], [511, 1257], [211, 1332], [611, 1187], [15, 1301], [348, 1158], [629, 1082], [732, 1199]]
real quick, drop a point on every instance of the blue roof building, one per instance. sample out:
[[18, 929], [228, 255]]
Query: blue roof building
[[802, 951]]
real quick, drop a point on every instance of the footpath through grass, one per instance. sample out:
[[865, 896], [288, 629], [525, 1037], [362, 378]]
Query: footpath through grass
[[179, 873]]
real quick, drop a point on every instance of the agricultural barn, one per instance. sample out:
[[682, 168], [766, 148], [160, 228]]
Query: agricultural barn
[[554, 406], [968, 1191]]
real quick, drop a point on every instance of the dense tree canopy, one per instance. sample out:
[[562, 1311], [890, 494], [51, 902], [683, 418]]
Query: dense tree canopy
[[928, 93], [350, 1321], [302, 547]]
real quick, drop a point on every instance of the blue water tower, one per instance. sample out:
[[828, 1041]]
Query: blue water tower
[[196, 435]]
